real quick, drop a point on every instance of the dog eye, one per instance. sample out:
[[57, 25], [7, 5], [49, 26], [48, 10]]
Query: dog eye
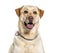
[[34, 12], [25, 11]]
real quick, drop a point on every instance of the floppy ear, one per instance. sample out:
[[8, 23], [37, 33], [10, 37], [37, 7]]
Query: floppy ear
[[41, 12], [18, 11]]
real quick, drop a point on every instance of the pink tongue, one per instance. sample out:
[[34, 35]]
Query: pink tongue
[[29, 25]]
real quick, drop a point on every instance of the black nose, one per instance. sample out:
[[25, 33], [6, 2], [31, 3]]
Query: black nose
[[30, 18]]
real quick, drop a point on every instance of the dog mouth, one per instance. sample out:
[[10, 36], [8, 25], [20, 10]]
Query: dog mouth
[[29, 25]]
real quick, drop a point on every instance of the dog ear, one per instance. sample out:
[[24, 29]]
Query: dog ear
[[41, 12], [18, 11]]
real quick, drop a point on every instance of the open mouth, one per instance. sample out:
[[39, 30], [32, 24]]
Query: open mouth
[[29, 25]]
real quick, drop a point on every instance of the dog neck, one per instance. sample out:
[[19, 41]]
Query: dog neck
[[18, 34]]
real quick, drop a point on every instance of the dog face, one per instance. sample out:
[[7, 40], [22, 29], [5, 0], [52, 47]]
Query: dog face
[[29, 16]]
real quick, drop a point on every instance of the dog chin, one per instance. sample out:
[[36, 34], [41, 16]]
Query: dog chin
[[29, 25]]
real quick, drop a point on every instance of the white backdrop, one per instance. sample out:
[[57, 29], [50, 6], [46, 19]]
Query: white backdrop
[[49, 24]]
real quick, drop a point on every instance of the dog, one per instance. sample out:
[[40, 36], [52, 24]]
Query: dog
[[27, 38]]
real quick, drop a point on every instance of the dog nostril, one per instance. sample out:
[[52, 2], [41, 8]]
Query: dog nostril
[[30, 18]]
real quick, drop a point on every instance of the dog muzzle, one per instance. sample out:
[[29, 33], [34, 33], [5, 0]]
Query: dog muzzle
[[29, 25]]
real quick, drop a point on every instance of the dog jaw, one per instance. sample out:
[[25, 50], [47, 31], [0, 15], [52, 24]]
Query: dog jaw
[[28, 33]]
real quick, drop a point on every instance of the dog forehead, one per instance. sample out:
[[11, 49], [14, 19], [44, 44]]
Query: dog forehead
[[29, 8]]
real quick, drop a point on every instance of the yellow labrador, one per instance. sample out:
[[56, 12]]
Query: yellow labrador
[[27, 39]]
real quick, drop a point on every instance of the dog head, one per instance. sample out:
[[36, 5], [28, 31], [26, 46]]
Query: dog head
[[29, 15]]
